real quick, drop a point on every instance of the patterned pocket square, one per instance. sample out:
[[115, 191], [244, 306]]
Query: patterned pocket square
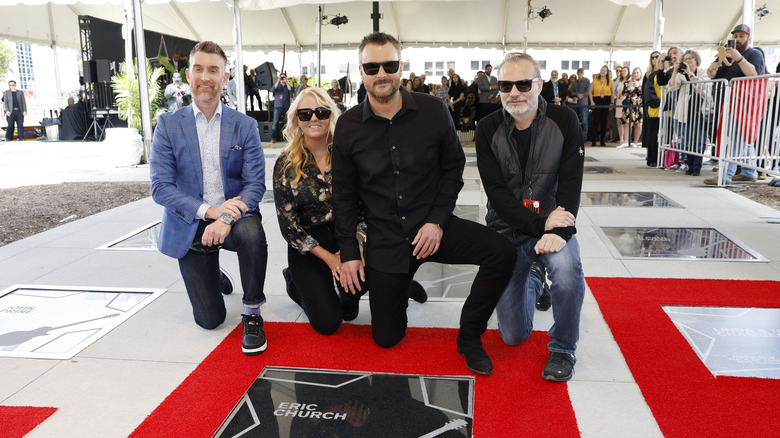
[[236, 148]]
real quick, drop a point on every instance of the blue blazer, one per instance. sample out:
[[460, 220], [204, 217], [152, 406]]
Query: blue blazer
[[176, 171]]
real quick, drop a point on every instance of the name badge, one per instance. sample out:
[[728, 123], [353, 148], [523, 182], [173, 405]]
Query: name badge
[[531, 205]]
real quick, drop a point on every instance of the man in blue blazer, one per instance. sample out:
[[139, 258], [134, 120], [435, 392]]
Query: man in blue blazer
[[208, 171]]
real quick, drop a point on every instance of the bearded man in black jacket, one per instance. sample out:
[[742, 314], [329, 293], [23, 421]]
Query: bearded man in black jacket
[[530, 157]]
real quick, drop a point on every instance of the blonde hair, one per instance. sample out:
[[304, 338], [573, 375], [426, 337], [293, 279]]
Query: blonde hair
[[296, 154]]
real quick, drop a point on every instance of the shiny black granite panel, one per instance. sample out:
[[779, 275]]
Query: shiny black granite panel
[[677, 243], [626, 199], [732, 341], [290, 402]]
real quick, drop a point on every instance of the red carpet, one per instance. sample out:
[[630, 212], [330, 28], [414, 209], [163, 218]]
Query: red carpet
[[515, 401], [685, 398], [17, 421]]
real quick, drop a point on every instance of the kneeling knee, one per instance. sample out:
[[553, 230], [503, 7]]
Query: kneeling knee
[[210, 323], [387, 340], [326, 328], [513, 339]]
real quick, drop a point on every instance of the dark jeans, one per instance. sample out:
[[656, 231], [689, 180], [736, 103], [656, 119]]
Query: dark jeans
[[200, 270], [464, 242], [312, 282], [18, 118], [278, 113], [250, 94]]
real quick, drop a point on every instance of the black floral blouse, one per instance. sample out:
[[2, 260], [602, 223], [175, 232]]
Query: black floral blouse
[[302, 207]]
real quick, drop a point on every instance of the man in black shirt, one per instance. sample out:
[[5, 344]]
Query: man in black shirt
[[398, 155], [530, 157]]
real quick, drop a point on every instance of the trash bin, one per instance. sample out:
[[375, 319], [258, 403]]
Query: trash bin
[[53, 132]]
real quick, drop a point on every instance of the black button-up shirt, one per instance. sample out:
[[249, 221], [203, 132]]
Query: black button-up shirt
[[407, 171]]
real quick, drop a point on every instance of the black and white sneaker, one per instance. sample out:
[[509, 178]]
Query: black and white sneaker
[[254, 341], [226, 284], [560, 367]]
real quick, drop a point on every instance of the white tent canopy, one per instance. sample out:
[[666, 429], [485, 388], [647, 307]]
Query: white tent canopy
[[268, 24]]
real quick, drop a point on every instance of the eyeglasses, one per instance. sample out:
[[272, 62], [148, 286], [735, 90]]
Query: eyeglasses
[[304, 114], [522, 86], [372, 68]]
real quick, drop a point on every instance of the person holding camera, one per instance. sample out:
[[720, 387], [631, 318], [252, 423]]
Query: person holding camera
[[177, 93], [692, 123], [745, 61], [281, 92]]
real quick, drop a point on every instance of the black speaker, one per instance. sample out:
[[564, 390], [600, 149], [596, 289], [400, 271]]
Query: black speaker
[[103, 70], [90, 71], [266, 76], [260, 116], [265, 129]]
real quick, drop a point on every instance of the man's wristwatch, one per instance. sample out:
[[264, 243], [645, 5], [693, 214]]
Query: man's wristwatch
[[227, 219]]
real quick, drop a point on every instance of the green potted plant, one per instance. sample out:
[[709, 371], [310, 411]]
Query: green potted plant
[[127, 96]]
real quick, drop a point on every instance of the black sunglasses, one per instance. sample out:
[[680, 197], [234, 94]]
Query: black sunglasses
[[655, 57], [522, 86], [304, 114], [372, 68]]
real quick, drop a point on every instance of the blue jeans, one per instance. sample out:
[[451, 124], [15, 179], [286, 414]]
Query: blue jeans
[[747, 150], [516, 307], [200, 270], [582, 112], [278, 112], [693, 136]]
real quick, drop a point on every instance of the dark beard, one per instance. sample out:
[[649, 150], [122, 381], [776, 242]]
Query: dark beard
[[741, 47], [383, 98]]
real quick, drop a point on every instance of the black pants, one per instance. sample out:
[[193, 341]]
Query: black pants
[[17, 118], [464, 242], [652, 124], [601, 116], [312, 282]]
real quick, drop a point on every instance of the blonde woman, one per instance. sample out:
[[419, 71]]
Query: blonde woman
[[304, 208]]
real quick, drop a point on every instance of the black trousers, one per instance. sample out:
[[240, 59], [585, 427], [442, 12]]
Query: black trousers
[[313, 283], [16, 118], [601, 116], [464, 242], [650, 140]]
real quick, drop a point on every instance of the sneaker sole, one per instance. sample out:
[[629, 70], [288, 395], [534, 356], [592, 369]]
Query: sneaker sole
[[254, 351], [556, 379]]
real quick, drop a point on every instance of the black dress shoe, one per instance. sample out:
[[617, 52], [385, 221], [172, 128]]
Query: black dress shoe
[[417, 292], [292, 291], [652, 164], [477, 359]]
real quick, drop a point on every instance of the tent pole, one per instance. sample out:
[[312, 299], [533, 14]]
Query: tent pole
[[239, 69], [319, 47], [143, 78], [658, 26], [56, 61], [749, 16], [127, 34]]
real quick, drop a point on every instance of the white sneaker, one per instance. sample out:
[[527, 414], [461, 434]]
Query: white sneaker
[[634, 145], [683, 167], [624, 145], [673, 167]]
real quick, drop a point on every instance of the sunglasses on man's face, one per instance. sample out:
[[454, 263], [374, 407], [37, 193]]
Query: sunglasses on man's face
[[372, 68], [322, 113], [522, 86]]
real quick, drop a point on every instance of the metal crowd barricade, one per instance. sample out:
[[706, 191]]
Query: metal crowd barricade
[[733, 122], [750, 127], [689, 115]]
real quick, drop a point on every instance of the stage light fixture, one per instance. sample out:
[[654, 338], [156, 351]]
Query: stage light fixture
[[338, 20], [544, 13], [762, 12]]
